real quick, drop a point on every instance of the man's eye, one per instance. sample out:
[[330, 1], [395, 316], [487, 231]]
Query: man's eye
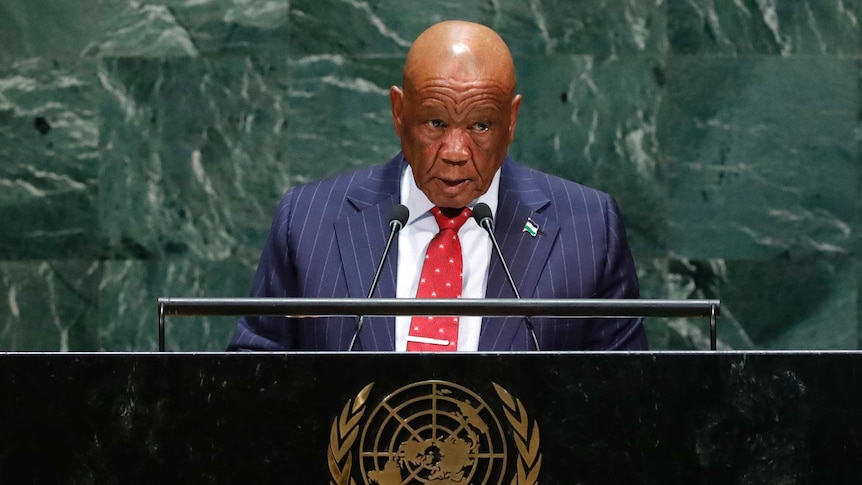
[[436, 124], [482, 127]]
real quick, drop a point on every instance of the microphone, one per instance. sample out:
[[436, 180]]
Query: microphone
[[398, 216], [482, 215]]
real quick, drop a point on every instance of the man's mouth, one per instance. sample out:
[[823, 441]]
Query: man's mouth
[[453, 186]]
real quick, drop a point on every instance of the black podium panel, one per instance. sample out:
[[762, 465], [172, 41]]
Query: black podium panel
[[571, 418]]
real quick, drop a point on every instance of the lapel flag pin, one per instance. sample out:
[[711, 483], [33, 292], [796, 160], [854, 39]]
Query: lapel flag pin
[[531, 227]]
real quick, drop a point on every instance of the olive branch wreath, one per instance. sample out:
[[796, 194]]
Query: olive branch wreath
[[345, 429], [527, 441]]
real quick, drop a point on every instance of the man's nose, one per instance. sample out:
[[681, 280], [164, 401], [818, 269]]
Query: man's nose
[[455, 147]]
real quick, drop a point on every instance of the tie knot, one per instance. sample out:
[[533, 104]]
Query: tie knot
[[447, 220]]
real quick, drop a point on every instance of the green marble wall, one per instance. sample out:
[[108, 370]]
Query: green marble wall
[[144, 144]]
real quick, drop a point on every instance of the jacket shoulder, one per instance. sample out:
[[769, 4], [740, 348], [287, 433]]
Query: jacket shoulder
[[561, 192]]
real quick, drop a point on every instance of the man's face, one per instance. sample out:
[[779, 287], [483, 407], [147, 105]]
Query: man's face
[[454, 135]]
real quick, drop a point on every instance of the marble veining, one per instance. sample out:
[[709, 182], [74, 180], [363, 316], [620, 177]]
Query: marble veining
[[144, 146]]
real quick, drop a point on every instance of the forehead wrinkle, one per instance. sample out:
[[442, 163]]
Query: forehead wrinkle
[[462, 99], [463, 103], [447, 83]]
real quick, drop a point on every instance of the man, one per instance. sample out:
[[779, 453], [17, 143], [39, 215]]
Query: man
[[455, 115]]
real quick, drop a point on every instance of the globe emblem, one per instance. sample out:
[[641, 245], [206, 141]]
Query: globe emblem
[[433, 432]]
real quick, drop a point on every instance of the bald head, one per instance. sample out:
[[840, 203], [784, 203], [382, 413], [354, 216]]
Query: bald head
[[456, 112], [462, 51]]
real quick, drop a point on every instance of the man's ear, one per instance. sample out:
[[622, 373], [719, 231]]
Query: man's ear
[[396, 98], [513, 120]]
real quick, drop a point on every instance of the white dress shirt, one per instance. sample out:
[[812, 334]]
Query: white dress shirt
[[413, 241]]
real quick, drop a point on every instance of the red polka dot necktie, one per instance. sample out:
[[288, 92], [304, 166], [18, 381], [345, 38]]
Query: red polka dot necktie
[[441, 278]]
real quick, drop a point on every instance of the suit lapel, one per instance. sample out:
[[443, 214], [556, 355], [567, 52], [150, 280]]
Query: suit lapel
[[363, 231], [521, 199], [362, 235]]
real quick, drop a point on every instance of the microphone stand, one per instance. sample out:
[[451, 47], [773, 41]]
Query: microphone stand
[[398, 216], [482, 214]]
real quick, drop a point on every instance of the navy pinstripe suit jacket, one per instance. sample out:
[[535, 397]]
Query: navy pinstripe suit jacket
[[328, 236]]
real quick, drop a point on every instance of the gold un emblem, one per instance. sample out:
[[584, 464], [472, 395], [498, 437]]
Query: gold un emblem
[[433, 432]]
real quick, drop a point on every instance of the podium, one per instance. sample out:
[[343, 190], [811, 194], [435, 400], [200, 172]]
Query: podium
[[556, 418]]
